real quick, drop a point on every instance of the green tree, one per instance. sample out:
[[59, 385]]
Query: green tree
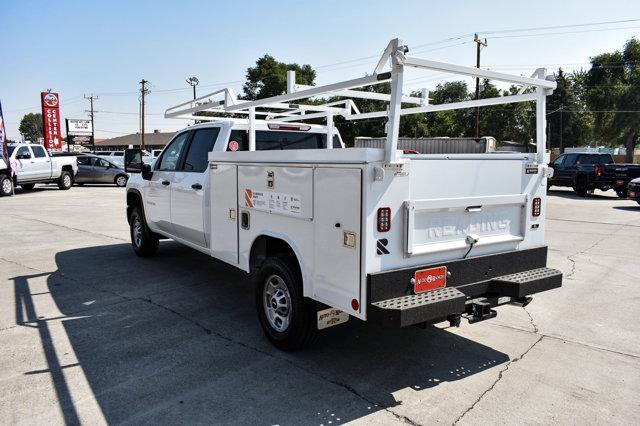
[[568, 118], [454, 123], [614, 95], [269, 78], [31, 127]]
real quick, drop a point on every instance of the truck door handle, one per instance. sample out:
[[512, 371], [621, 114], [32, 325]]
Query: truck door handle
[[196, 186], [166, 183]]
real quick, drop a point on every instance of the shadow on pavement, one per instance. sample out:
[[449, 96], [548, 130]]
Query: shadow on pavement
[[573, 196], [175, 339], [629, 208]]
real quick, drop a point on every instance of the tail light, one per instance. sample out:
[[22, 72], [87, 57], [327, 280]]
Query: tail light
[[599, 170], [384, 219], [536, 207]]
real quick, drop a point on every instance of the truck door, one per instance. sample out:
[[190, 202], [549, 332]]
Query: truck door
[[23, 160], [40, 163], [189, 188], [337, 205], [158, 195]]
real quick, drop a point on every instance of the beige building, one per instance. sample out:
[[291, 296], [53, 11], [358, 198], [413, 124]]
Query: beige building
[[155, 140]]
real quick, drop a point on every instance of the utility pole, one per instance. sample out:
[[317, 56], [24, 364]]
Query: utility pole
[[143, 92], [91, 111], [479, 44]]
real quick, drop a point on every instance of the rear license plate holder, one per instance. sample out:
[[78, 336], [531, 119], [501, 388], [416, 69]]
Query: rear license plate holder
[[429, 279]]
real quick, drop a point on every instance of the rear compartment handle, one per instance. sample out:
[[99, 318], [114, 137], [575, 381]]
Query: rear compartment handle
[[473, 209]]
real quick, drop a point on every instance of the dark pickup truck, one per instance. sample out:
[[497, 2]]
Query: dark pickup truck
[[588, 171]]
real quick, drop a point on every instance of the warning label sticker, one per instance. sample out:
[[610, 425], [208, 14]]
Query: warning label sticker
[[273, 202]]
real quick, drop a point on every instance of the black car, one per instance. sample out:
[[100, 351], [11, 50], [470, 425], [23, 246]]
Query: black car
[[633, 190], [585, 172]]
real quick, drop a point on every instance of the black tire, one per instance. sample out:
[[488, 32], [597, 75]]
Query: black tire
[[65, 181], [6, 185], [621, 192], [144, 242], [301, 329], [28, 186], [581, 186], [121, 180]]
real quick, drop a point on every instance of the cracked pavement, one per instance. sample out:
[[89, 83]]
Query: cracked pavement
[[89, 333]]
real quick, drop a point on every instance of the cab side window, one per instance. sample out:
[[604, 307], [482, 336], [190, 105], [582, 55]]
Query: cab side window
[[23, 152], [560, 160], [201, 144], [171, 156], [38, 151]]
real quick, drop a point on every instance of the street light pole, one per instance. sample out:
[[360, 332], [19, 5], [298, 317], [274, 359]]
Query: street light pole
[[193, 82]]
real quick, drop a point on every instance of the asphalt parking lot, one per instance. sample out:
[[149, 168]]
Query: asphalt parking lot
[[90, 333]]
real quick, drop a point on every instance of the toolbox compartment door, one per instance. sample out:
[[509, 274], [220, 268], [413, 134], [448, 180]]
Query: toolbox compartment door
[[337, 202], [224, 212]]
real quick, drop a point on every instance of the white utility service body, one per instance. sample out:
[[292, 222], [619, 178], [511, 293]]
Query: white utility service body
[[376, 234]]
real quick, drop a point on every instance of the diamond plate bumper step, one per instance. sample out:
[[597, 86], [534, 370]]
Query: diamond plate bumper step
[[528, 282], [438, 304], [414, 309]]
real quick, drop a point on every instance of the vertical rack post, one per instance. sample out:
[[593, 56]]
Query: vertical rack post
[[393, 125], [541, 119], [330, 130], [252, 129]]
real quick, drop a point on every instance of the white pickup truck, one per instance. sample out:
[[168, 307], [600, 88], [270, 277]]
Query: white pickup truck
[[330, 233], [32, 164]]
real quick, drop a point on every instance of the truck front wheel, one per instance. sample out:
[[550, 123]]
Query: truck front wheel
[[6, 185], [288, 319], [144, 242], [65, 181]]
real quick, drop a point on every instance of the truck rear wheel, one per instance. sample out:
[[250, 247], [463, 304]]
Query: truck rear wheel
[[621, 193], [6, 185], [581, 188], [65, 180], [144, 242], [288, 319]]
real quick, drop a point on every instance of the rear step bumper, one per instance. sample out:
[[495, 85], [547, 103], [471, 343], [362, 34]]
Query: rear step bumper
[[473, 300]]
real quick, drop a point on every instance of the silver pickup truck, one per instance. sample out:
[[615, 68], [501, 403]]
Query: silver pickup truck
[[31, 164]]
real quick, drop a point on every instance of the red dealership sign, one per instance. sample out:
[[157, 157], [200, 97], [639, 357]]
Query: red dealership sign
[[51, 120]]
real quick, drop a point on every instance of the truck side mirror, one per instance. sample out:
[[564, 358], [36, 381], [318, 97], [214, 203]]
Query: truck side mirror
[[133, 160], [147, 173]]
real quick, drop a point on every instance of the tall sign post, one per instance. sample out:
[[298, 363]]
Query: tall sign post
[[51, 120]]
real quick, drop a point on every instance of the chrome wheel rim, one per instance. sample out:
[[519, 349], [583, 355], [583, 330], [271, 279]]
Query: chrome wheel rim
[[66, 180], [137, 232], [121, 181], [277, 303], [6, 186]]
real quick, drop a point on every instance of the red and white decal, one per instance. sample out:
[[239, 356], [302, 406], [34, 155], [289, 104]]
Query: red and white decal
[[430, 279], [233, 145], [248, 198]]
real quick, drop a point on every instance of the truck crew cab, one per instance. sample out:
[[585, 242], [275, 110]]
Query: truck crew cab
[[330, 233], [32, 164], [588, 171]]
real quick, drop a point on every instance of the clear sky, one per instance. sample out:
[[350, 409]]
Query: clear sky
[[107, 47]]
